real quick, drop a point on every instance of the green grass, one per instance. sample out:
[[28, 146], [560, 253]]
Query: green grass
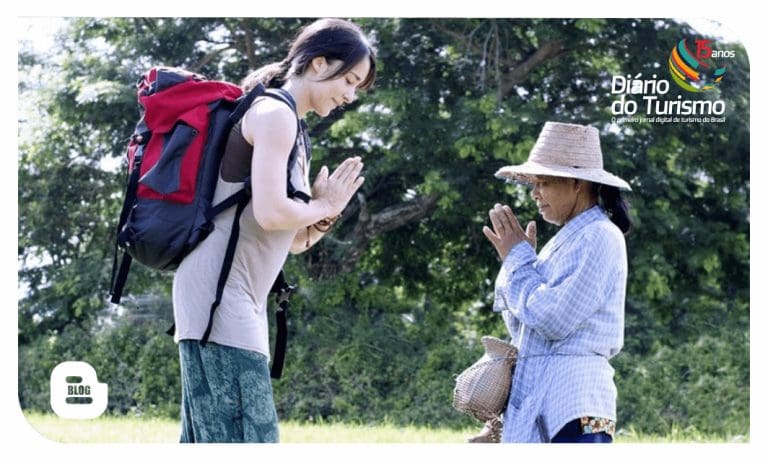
[[678, 435], [108, 429]]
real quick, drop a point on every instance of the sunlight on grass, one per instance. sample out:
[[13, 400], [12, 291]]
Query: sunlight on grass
[[107, 429]]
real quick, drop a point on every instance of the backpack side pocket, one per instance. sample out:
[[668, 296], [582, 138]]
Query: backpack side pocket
[[165, 176]]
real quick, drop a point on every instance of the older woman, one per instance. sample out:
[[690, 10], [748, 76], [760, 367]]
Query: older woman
[[563, 307]]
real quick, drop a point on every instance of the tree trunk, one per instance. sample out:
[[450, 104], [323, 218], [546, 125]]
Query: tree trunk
[[520, 71], [367, 228]]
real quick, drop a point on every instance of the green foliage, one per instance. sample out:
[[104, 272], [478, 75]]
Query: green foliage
[[455, 100], [358, 353], [701, 385], [37, 360], [135, 358], [158, 363]]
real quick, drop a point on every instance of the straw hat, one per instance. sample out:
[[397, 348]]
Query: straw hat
[[565, 150]]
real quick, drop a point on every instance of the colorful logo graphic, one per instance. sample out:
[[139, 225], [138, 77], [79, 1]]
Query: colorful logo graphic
[[696, 71]]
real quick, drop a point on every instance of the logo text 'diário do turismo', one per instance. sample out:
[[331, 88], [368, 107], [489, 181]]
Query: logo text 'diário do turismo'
[[696, 67]]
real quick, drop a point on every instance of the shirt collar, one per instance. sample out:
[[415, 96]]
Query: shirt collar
[[578, 222]]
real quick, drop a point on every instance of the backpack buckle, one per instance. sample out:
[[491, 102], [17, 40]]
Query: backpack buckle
[[284, 295]]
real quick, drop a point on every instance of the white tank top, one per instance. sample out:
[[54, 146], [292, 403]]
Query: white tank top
[[241, 319]]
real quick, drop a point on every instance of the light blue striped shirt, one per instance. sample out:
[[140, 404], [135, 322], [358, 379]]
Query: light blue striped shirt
[[565, 313]]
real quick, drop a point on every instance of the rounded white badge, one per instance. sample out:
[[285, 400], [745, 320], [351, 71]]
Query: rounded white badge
[[76, 392]]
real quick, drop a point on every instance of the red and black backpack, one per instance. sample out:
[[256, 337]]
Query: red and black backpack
[[174, 157]]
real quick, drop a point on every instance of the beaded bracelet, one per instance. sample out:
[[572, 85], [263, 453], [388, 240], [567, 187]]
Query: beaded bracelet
[[322, 226], [326, 223]]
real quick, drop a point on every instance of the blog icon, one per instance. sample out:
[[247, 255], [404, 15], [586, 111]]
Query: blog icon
[[76, 392]]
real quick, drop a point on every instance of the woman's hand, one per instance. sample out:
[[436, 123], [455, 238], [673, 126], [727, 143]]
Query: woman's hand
[[507, 231], [336, 190]]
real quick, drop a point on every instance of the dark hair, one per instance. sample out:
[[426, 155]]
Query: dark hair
[[615, 206], [334, 39]]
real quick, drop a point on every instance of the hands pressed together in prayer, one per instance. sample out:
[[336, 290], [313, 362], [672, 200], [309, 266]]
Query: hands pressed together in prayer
[[337, 189], [507, 232]]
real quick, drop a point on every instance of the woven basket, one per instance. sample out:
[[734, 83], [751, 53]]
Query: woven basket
[[482, 390]]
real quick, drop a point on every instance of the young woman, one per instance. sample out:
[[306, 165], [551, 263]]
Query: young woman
[[226, 388], [563, 306]]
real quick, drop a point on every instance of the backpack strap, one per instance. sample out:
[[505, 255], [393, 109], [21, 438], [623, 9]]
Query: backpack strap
[[283, 292], [281, 288], [245, 103], [119, 276], [241, 198]]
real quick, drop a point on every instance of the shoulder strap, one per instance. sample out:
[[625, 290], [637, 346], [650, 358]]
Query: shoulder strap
[[284, 96], [244, 103]]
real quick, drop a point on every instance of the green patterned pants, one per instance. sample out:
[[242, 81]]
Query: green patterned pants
[[226, 395]]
